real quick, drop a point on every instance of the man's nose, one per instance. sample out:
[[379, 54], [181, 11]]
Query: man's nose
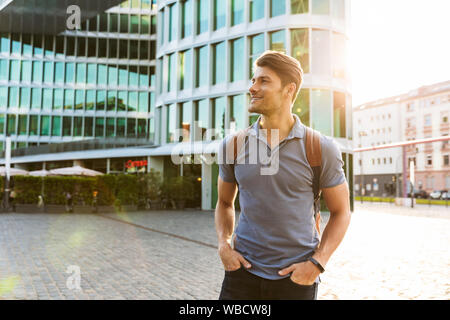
[[253, 89]]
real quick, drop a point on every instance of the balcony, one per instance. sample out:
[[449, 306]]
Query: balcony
[[444, 128]]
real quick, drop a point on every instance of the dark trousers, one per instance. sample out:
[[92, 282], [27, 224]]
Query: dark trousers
[[243, 285]]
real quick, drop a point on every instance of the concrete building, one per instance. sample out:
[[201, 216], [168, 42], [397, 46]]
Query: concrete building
[[419, 114], [200, 75]]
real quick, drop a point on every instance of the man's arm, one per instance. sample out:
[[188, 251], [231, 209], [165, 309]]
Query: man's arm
[[224, 220], [337, 200]]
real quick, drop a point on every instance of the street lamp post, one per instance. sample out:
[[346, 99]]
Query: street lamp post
[[362, 134]]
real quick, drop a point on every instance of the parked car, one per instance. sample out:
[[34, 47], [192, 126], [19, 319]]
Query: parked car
[[435, 195], [420, 194], [445, 195]]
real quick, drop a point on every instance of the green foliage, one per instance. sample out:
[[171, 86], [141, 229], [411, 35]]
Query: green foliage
[[127, 189], [178, 188], [124, 189], [27, 189], [105, 185]]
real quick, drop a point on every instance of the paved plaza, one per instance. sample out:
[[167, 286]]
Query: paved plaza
[[388, 253]]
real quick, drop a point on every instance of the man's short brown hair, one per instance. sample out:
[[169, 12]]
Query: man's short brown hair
[[287, 68]]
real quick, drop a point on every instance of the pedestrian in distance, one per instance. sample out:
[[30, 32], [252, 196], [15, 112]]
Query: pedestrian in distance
[[276, 251]]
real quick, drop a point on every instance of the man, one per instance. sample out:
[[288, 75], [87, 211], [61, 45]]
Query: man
[[276, 252]]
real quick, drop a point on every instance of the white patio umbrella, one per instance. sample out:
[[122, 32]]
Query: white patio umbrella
[[40, 173], [13, 172], [75, 171]]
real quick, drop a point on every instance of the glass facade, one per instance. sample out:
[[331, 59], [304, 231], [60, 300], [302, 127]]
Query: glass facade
[[299, 6], [237, 62], [219, 69], [237, 12], [202, 16], [186, 16], [51, 74], [202, 66], [278, 41], [220, 10], [256, 49], [300, 47], [219, 112], [277, 8], [256, 10]]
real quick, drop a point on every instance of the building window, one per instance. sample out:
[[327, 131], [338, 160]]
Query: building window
[[202, 66], [186, 16], [110, 127], [202, 16], [143, 102], [56, 126], [185, 69], [237, 12], [131, 127], [300, 47], [171, 122], [277, 8], [321, 7], [172, 81], [238, 112], [45, 125], [321, 52], [67, 126], [299, 6], [256, 49], [99, 127], [339, 114], [301, 106], [237, 60], [219, 68], [186, 120], [219, 110], [278, 41], [22, 126], [256, 10], [339, 55], [120, 128], [173, 21], [201, 119], [429, 160], [321, 104], [427, 120], [445, 160]]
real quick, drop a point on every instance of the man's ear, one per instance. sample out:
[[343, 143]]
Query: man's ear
[[291, 87]]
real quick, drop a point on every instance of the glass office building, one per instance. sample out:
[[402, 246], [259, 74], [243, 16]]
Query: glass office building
[[206, 49], [95, 82], [168, 72]]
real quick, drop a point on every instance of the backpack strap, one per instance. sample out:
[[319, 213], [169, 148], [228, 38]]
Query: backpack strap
[[235, 143], [314, 157]]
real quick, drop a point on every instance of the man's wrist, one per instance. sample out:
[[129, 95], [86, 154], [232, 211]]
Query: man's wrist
[[317, 264]]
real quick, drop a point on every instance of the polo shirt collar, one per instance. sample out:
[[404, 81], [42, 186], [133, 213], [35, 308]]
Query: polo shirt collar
[[297, 131]]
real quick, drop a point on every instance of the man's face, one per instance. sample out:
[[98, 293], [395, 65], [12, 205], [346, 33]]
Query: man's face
[[267, 93]]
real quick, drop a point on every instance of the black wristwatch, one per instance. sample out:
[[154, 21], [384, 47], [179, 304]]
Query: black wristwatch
[[317, 264]]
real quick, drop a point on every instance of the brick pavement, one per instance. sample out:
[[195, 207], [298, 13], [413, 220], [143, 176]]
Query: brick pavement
[[383, 256]]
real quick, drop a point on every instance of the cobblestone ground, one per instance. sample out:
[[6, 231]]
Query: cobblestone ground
[[388, 253]]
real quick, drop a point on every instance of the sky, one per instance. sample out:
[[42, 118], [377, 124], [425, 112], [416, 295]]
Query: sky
[[397, 46]]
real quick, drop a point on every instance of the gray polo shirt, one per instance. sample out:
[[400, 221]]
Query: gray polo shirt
[[276, 226]]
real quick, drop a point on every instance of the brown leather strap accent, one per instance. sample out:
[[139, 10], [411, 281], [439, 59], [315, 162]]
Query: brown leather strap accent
[[313, 148]]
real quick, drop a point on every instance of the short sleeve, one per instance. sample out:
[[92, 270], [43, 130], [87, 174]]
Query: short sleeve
[[332, 164], [226, 170]]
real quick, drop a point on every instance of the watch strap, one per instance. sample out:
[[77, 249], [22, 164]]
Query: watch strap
[[317, 264]]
